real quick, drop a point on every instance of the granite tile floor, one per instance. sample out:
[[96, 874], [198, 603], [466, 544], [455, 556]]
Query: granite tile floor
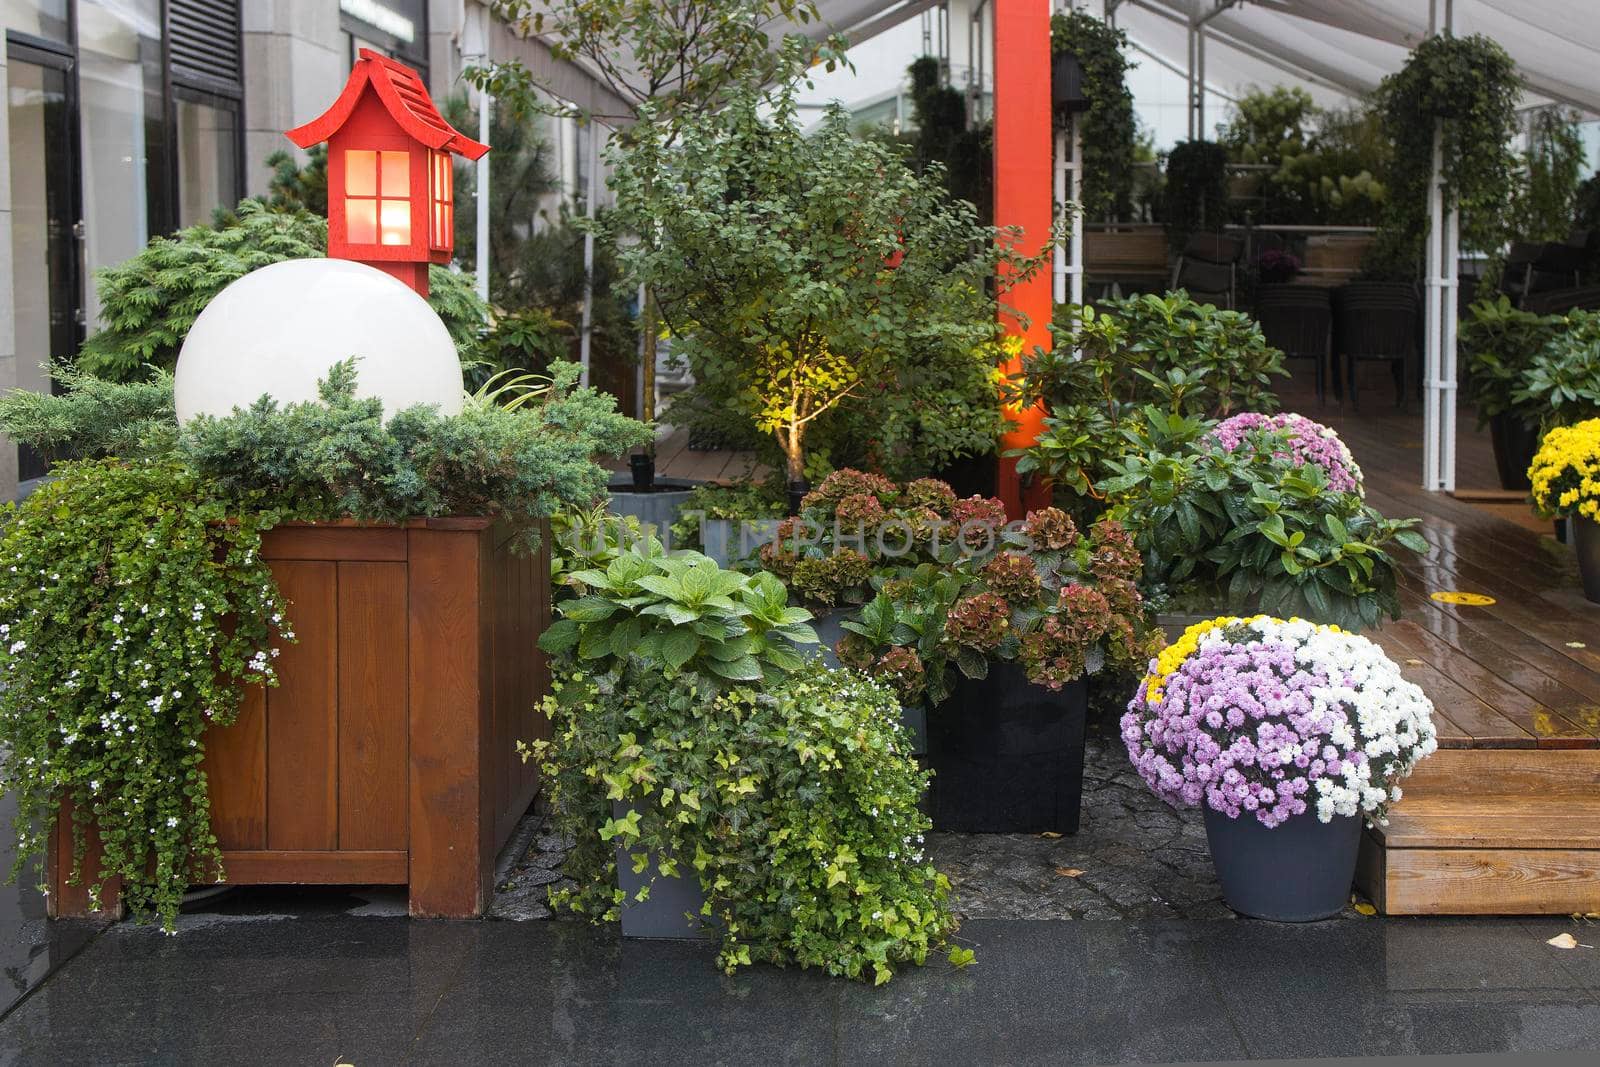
[[1125, 961], [324, 988]]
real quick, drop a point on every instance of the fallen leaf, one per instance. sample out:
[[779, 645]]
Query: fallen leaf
[[1576, 644], [1364, 908], [1051, 834], [1413, 663], [961, 958], [1068, 872], [1564, 941]]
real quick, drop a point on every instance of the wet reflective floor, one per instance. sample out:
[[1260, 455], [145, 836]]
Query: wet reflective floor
[[325, 988]]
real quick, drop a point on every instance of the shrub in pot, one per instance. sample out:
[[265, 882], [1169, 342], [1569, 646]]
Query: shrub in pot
[[1286, 733], [1011, 634], [138, 600], [1256, 516], [1565, 475], [1499, 342], [695, 746], [729, 523]]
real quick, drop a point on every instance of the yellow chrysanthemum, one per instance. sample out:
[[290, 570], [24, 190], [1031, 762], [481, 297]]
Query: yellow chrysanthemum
[[1565, 473]]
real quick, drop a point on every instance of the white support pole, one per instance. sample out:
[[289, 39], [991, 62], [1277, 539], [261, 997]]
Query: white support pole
[[1200, 83], [1061, 195], [1191, 63], [1432, 471], [1075, 195], [475, 35], [1447, 347], [587, 330]]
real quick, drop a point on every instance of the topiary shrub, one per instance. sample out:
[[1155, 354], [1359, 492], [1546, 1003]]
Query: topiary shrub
[[148, 302]]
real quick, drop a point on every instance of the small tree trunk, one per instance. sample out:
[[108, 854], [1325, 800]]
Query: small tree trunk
[[793, 442]]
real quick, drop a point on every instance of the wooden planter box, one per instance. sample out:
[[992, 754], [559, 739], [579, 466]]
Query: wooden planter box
[[387, 753]]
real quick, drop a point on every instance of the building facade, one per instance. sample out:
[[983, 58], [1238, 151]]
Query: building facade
[[128, 119]]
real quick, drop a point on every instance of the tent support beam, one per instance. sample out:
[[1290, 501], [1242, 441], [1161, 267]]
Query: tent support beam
[[1442, 268]]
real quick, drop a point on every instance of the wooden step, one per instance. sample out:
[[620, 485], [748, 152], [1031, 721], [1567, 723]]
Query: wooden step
[[1524, 772], [1490, 832]]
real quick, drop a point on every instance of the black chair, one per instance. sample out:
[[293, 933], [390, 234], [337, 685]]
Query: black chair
[[1531, 269], [1561, 301], [1208, 267], [1377, 321], [1298, 319]]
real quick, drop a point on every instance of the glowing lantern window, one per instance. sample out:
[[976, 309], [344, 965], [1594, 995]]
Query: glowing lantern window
[[442, 215], [377, 190]]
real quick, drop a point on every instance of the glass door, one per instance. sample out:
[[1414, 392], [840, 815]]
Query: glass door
[[45, 226]]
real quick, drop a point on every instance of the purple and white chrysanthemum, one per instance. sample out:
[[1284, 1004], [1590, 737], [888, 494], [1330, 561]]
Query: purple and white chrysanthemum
[[1277, 718], [1309, 442]]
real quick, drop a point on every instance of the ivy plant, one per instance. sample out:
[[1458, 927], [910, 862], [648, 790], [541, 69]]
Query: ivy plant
[[1467, 88], [1197, 191], [1248, 530], [794, 806], [1108, 126], [137, 608]]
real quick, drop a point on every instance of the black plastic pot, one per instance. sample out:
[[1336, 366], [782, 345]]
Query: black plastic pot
[[1586, 539], [672, 908], [1007, 755], [643, 468], [1294, 873], [1066, 83], [1515, 443]]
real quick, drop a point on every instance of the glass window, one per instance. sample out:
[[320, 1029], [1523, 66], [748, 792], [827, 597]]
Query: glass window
[[122, 130], [208, 156], [38, 18]]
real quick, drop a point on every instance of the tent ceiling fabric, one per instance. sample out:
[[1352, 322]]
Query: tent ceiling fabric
[[1336, 49]]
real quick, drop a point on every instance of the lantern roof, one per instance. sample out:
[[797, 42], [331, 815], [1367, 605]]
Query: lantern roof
[[403, 94]]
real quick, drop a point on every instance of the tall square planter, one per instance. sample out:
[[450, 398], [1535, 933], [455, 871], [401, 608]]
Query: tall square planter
[[387, 753]]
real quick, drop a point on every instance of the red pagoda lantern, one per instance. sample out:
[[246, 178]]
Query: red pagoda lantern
[[390, 187]]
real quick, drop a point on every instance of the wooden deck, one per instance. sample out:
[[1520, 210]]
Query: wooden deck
[[1506, 817]]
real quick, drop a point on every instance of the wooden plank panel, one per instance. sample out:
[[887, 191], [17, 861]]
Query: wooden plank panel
[[1549, 729], [1474, 826], [451, 859], [379, 867], [236, 774], [302, 725], [1532, 772], [373, 764], [386, 543], [1442, 881]]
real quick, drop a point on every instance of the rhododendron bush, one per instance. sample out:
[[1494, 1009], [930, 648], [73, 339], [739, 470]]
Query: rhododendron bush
[[1271, 719]]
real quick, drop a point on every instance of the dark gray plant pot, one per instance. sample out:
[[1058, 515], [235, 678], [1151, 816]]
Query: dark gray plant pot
[[1294, 873], [673, 908], [829, 629], [730, 541], [1514, 443], [1586, 539], [657, 508]]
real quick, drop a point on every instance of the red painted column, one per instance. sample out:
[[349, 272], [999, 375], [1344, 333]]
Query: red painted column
[[1022, 198]]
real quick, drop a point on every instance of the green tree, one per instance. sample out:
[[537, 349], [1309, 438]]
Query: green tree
[[1544, 201], [798, 272]]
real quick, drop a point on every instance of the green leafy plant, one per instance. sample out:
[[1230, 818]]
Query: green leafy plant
[[92, 418], [1197, 190], [1325, 160], [1468, 88], [678, 614], [1544, 200], [1499, 343], [148, 302], [136, 608], [1249, 530], [802, 272], [1109, 361], [1108, 126], [795, 807], [339, 458], [1561, 386]]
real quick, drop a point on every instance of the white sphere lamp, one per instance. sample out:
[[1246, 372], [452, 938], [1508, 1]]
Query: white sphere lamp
[[277, 330]]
